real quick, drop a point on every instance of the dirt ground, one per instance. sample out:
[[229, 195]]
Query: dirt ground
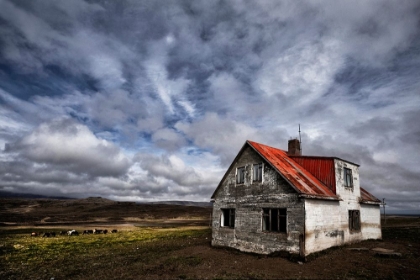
[[185, 253]]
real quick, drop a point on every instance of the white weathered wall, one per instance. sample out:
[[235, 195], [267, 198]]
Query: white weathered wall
[[371, 221], [323, 225], [327, 222], [350, 195]]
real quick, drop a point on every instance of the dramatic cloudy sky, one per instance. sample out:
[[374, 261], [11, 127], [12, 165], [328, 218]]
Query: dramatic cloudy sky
[[151, 100]]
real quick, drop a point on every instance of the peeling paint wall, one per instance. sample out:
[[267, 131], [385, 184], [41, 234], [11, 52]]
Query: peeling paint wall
[[371, 221], [323, 225], [249, 199]]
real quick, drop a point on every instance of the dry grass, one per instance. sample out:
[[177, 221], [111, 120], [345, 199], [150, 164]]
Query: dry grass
[[104, 255], [185, 253]]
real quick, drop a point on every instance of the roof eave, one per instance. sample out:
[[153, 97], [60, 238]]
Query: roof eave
[[371, 202], [321, 197]]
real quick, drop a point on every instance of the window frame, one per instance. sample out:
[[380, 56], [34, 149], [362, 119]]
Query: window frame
[[354, 221], [348, 177], [257, 172], [240, 171], [274, 220], [227, 218]]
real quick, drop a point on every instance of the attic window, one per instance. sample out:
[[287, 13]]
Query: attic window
[[275, 219], [240, 175], [228, 218], [348, 178], [257, 172], [354, 220]]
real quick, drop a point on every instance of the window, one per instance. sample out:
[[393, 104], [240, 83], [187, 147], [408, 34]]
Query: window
[[240, 175], [228, 218], [257, 173], [354, 220], [348, 178], [275, 219]]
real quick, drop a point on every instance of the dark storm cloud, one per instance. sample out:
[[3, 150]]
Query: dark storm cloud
[[150, 83], [378, 128]]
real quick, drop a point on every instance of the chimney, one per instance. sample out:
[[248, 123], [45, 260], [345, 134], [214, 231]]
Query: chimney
[[294, 148]]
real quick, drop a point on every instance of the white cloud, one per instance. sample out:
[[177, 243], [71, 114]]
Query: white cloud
[[223, 136], [304, 72], [170, 91], [72, 147], [108, 70], [168, 139]]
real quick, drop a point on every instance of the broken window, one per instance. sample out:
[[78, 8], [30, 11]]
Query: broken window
[[275, 219], [348, 178], [257, 173], [228, 218], [240, 175], [354, 220]]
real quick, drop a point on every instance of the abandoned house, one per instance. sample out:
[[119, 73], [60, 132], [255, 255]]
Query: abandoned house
[[270, 200]]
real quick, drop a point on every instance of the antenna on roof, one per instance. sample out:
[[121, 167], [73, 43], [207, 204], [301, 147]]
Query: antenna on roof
[[300, 140]]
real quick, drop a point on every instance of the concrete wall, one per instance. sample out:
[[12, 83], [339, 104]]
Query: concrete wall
[[371, 221], [324, 225], [249, 199], [350, 195], [327, 222]]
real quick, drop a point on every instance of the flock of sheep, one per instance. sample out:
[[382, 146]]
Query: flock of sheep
[[72, 232]]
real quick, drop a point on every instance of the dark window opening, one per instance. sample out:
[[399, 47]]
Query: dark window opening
[[257, 174], [348, 177], [354, 220], [240, 176], [275, 220], [228, 218]]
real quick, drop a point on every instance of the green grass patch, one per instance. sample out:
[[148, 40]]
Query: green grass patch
[[69, 256]]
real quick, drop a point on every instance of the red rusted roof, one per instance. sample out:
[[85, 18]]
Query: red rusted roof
[[367, 197], [321, 167], [299, 178]]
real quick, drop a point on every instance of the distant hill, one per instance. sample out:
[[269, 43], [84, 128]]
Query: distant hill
[[4, 194], [98, 210], [183, 203]]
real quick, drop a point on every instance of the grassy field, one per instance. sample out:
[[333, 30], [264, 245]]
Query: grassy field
[[105, 256], [185, 253]]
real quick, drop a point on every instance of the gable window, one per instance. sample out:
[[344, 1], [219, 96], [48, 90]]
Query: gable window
[[257, 173], [348, 178], [354, 220], [240, 175], [275, 219], [228, 218]]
